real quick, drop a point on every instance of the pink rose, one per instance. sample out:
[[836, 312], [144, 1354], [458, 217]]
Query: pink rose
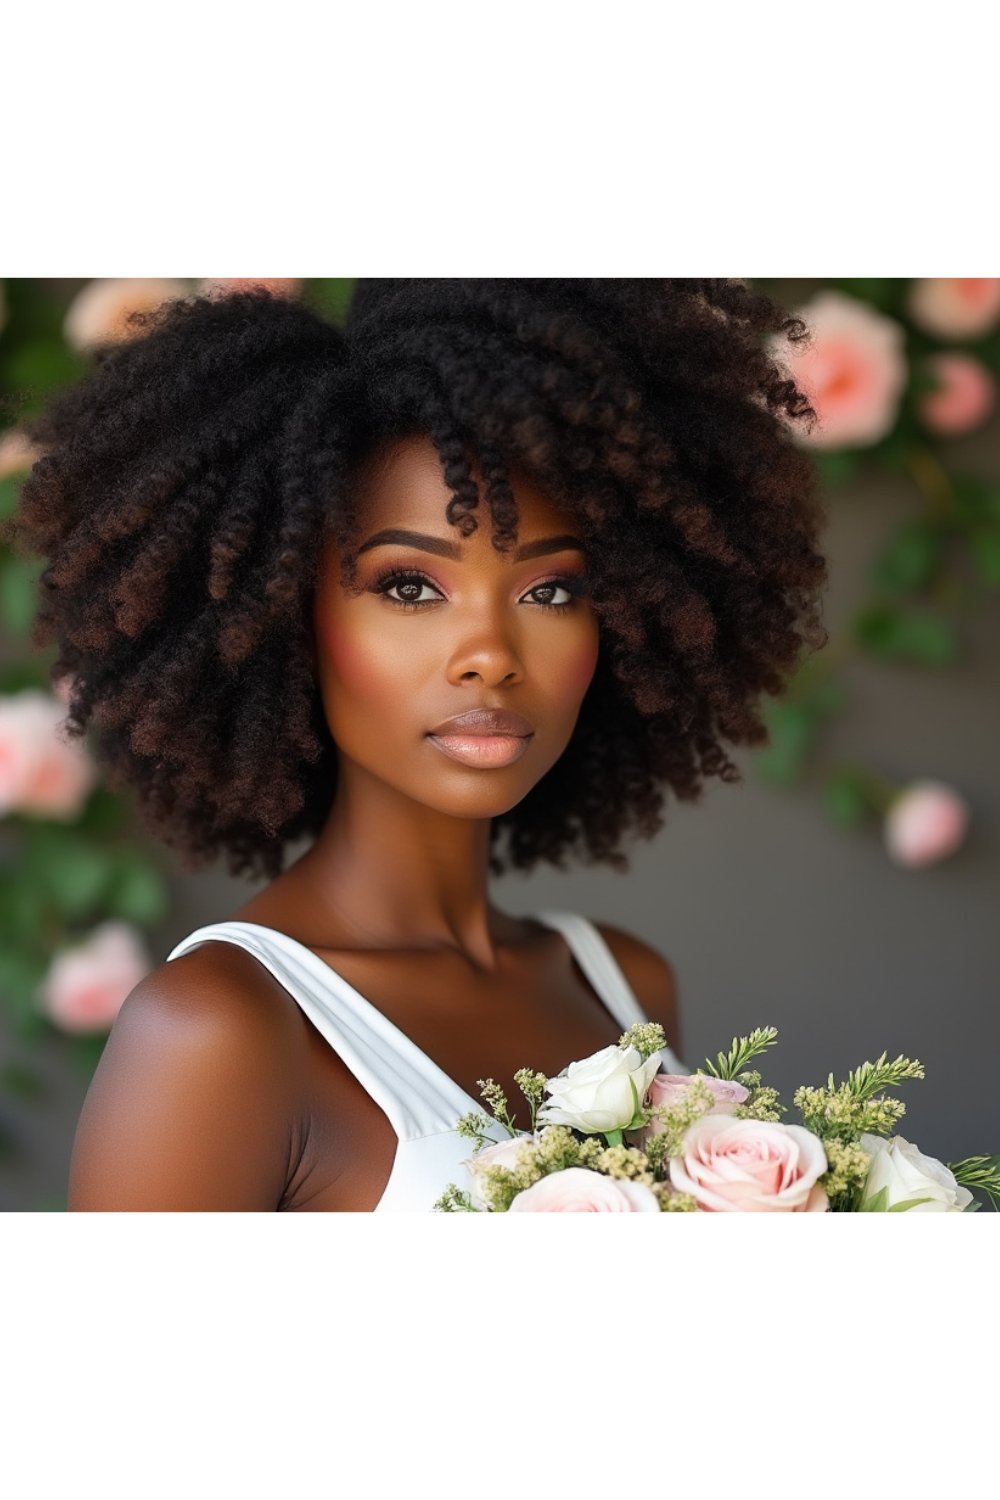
[[17, 454], [925, 823], [575, 1190], [751, 1166], [86, 985], [98, 313], [40, 772], [503, 1154], [955, 307], [964, 396], [853, 370], [669, 1088]]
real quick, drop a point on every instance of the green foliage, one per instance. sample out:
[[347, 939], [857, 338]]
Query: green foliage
[[891, 633], [980, 1173], [743, 1048], [18, 593], [792, 729], [865, 1082], [844, 796], [910, 559]]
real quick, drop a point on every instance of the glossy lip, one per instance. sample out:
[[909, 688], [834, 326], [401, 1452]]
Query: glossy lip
[[484, 721], [482, 749]]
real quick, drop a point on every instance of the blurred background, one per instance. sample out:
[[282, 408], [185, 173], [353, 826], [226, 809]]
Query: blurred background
[[845, 892]]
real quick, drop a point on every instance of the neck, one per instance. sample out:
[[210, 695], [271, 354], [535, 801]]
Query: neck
[[387, 872]]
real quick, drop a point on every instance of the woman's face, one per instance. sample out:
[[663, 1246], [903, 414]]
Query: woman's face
[[443, 625]]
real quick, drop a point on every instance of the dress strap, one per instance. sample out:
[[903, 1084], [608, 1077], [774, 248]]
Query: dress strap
[[418, 1098], [604, 973]]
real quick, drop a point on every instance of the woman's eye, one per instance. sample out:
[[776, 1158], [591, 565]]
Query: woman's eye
[[408, 588], [412, 590]]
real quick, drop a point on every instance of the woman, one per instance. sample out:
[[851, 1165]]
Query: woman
[[468, 586]]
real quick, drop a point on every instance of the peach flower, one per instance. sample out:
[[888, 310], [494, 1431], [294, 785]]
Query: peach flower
[[926, 822], [87, 984], [17, 454], [853, 370], [669, 1088], [280, 286], [751, 1166], [41, 772], [964, 397], [503, 1154], [98, 313], [955, 307], [575, 1190]]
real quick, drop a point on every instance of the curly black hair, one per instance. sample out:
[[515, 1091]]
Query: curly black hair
[[186, 485]]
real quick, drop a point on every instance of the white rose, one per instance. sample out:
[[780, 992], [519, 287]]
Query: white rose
[[602, 1093], [504, 1154], [907, 1174]]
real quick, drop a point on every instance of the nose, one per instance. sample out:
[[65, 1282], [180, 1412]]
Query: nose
[[489, 654]]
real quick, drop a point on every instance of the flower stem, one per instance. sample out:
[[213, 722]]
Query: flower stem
[[613, 1137]]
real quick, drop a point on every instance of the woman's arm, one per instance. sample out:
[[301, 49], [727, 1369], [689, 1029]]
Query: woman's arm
[[651, 977], [189, 1109]]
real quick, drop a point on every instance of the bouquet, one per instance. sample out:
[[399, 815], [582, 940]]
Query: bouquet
[[614, 1134]]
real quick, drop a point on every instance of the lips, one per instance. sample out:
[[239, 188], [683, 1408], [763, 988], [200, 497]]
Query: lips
[[485, 721], [484, 737]]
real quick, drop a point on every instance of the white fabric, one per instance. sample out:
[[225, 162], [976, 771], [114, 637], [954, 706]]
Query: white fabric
[[422, 1103]]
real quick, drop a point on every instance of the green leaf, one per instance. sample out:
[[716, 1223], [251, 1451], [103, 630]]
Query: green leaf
[[19, 592], [985, 545], [68, 870], [876, 1204], [792, 728], [837, 469], [138, 892], [881, 291], [10, 490], [844, 798], [331, 296], [892, 634], [21, 973], [910, 559], [105, 813], [898, 1208]]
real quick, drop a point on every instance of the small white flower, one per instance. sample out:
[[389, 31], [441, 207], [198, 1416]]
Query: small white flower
[[601, 1093], [907, 1174]]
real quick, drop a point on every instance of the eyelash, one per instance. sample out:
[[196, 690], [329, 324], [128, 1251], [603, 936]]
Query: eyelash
[[575, 586]]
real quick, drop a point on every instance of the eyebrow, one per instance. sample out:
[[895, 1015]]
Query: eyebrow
[[450, 549]]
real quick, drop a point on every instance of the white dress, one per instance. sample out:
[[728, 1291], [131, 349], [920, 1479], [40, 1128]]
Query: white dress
[[422, 1103]]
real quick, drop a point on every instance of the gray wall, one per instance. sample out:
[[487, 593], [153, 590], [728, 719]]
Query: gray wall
[[769, 914]]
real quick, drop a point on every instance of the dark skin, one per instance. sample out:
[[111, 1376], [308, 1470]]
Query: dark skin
[[215, 1090]]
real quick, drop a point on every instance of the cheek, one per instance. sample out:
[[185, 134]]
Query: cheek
[[358, 666], [573, 669]]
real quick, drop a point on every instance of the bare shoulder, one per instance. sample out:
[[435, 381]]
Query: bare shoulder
[[650, 975], [191, 1106]]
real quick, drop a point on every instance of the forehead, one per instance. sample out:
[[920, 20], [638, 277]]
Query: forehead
[[404, 485]]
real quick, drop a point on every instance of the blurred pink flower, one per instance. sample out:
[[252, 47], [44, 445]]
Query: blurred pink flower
[[575, 1190], [281, 286], [955, 307], [87, 984], [98, 313], [853, 370], [41, 772], [964, 398], [750, 1166], [16, 453], [925, 823]]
